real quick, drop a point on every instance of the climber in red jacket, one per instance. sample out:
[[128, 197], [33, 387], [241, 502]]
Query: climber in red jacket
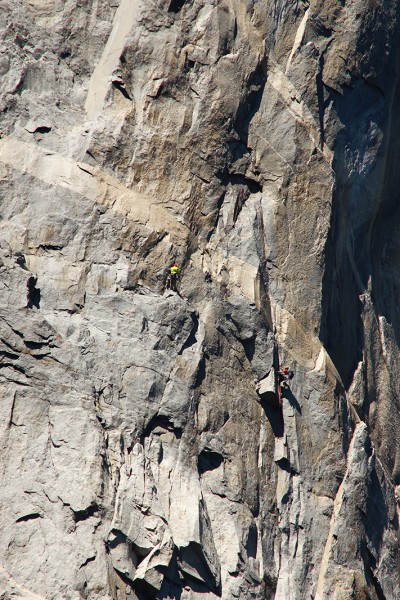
[[285, 376]]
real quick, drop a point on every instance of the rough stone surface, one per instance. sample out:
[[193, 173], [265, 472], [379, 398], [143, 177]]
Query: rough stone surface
[[143, 451]]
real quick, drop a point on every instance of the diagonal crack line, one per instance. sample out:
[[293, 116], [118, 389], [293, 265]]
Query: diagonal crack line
[[91, 183]]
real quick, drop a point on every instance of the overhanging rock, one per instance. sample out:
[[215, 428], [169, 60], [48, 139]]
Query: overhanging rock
[[266, 389]]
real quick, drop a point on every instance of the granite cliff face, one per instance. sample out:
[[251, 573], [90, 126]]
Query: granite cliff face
[[257, 143]]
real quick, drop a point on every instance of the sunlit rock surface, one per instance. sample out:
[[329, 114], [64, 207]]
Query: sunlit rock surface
[[144, 452]]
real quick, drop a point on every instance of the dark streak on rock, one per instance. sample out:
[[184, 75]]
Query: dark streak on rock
[[176, 5], [88, 560], [82, 515], [30, 517], [121, 88], [191, 340], [208, 460]]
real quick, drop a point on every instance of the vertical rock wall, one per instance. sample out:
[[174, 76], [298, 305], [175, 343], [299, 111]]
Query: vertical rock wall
[[144, 453]]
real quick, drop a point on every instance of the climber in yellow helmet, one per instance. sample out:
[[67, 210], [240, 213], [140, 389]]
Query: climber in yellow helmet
[[173, 277]]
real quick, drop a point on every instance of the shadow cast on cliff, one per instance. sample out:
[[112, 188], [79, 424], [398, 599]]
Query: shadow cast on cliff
[[274, 416], [348, 256], [375, 520], [288, 395]]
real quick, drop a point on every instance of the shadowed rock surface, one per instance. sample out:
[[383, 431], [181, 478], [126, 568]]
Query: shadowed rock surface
[[144, 452]]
